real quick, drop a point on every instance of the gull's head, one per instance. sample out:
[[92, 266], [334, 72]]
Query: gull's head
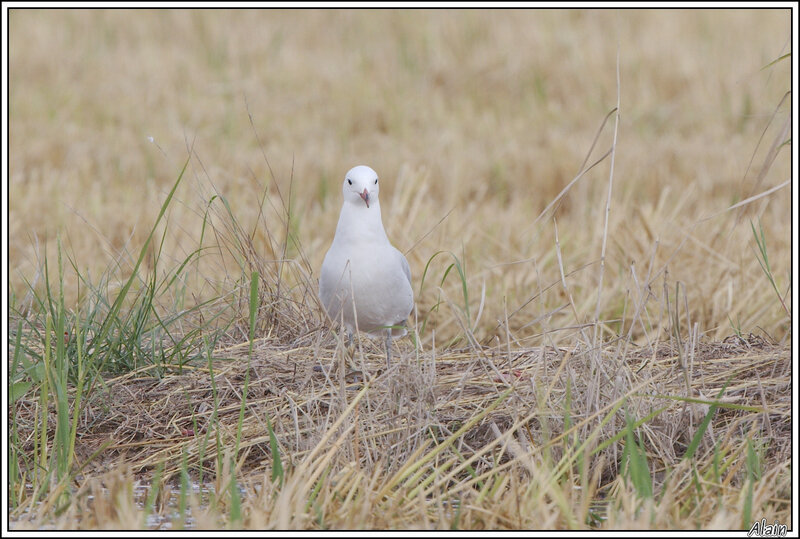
[[361, 185]]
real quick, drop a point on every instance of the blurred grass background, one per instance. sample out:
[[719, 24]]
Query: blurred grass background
[[486, 114]]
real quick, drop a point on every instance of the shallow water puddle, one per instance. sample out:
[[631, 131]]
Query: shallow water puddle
[[168, 519]]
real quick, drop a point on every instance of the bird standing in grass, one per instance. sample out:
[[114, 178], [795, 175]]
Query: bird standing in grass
[[364, 281]]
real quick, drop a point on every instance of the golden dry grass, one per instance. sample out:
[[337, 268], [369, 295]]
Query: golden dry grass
[[487, 114], [475, 120]]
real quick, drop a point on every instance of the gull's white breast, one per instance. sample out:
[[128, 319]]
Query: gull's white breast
[[368, 286]]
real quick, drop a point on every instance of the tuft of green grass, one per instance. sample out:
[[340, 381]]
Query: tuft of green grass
[[459, 267], [62, 355]]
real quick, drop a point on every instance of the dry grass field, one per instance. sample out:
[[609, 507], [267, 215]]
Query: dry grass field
[[596, 209]]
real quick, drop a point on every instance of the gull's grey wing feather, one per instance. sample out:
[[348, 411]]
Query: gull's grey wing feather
[[328, 284], [406, 268]]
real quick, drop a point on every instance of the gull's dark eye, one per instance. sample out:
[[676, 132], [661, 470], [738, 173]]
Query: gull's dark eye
[[376, 181], [349, 181]]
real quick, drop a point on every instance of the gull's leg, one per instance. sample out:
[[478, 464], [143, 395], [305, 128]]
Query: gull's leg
[[351, 351], [351, 347], [388, 348]]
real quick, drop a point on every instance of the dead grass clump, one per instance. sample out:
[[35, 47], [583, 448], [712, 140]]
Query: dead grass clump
[[558, 408]]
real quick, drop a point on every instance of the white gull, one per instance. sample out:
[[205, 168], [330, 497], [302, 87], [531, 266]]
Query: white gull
[[364, 281]]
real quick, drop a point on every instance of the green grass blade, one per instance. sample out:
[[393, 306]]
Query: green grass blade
[[776, 60], [253, 308], [701, 429], [236, 500], [277, 465], [634, 462], [155, 485]]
